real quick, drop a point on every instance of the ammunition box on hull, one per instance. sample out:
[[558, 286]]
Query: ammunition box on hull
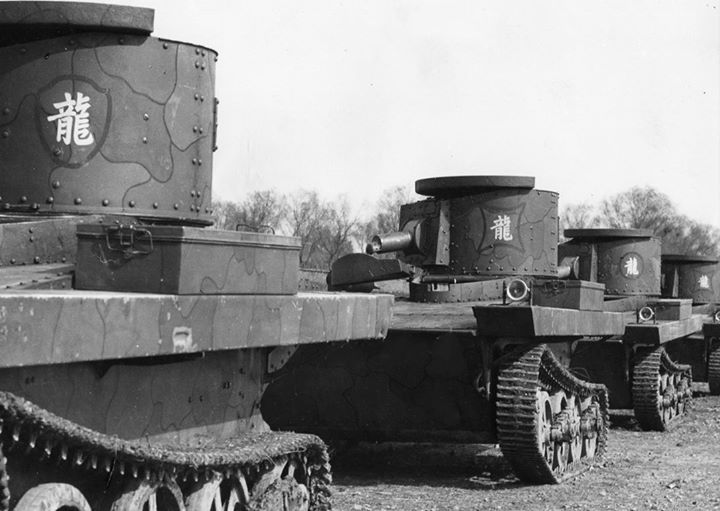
[[569, 294], [185, 260]]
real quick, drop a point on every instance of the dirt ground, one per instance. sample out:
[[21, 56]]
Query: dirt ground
[[679, 469]]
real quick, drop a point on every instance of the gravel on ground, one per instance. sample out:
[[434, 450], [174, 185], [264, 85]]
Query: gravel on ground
[[678, 469]]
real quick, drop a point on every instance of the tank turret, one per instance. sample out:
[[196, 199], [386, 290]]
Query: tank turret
[[474, 227], [691, 276], [470, 230], [98, 116], [627, 261]]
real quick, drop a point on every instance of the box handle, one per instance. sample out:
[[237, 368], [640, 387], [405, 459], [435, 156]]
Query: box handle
[[554, 287], [127, 239]]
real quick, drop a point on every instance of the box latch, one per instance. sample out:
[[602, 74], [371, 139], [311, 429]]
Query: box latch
[[129, 240]]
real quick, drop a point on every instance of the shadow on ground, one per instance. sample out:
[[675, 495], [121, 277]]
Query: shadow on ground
[[468, 466]]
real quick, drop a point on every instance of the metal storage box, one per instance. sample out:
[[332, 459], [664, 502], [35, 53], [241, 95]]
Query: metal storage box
[[569, 294], [185, 260], [672, 309]]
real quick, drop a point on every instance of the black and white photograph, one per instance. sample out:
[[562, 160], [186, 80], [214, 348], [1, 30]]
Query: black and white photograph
[[359, 255]]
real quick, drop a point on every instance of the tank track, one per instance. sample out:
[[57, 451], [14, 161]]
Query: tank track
[[525, 434], [4, 482], [661, 389], [25, 427], [713, 370]]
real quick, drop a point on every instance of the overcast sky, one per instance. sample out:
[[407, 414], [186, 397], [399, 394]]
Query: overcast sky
[[352, 97]]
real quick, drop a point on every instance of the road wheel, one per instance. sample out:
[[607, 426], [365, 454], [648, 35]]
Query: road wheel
[[218, 494], [149, 496], [53, 497]]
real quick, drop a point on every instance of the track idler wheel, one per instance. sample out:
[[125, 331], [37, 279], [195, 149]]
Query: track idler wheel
[[53, 497], [150, 496]]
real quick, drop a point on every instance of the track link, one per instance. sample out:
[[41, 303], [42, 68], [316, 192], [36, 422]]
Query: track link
[[549, 422], [27, 428], [713, 371], [661, 389]]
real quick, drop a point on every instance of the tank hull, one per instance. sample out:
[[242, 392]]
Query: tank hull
[[415, 385], [436, 379], [120, 390]]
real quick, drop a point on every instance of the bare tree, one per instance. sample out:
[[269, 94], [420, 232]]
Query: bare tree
[[639, 208], [578, 216], [261, 211], [387, 211], [687, 236], [306, 218], [222, 211], [646, 208], [338, 233]]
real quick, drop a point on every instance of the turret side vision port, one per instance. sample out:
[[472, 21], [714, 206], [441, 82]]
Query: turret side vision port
[[645, 314], [716, 316], [517, 290]]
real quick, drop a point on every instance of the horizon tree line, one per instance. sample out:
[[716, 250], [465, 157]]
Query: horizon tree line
[[328, 229]]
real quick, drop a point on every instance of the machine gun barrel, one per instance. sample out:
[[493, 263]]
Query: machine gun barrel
[[389, 242]]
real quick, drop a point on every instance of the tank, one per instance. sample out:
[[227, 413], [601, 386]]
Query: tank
[[697, 278], [507, 337], [439, 376], [135, 343], [636, 366], [711, 336]]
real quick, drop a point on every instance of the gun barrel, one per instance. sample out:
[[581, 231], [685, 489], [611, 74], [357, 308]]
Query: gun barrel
[[389, 242], [569, 268]]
